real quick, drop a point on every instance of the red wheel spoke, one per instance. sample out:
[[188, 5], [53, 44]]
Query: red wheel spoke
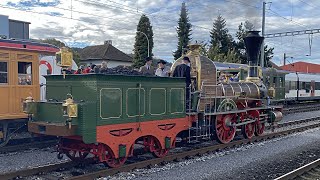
[[224, 133]]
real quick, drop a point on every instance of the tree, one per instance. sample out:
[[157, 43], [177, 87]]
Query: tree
[[204, 48], [221, 41], [59, 44], [215, 55], [141, 42], [268, 55], [243, 29], [183, 31]]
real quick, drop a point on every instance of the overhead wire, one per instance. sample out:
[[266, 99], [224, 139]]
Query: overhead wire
[[297, 23], [308, 3], [133, 12], [141, 12]]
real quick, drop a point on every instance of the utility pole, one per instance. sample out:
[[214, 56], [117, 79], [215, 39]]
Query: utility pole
[[285, 59], [262, 32]]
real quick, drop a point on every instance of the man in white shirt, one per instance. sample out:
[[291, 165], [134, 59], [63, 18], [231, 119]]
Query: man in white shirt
[[163, 70]]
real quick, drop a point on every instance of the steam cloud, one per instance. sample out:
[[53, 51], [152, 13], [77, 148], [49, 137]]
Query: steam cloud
[[253, 15]]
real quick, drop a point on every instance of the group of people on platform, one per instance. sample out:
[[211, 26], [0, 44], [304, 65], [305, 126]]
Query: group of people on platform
[[181, 70], [91, 68]]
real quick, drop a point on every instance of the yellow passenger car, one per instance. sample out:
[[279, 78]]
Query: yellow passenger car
[[19, 78]]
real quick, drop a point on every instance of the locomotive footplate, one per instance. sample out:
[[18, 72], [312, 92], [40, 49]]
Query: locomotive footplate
[[53, 129]]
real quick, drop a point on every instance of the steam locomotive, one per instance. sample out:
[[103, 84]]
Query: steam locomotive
[[106, 115]]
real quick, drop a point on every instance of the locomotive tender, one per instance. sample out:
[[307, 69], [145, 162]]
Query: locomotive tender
[[106, 115]]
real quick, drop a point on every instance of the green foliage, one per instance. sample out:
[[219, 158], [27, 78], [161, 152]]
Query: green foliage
[[204, 48], [214, 54], [268, 55], [141, 43], [53, 41], [231, 56], [243, 28], [59, 44], [221, 40], [184, 32]]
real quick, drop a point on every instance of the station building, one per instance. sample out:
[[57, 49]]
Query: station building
[[303, 67], [13, 29], [106, 52]]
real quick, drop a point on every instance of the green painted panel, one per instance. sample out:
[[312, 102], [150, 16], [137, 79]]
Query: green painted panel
[[49, 112], [110, 103], [157, 103], [132, 102], [57, 92], [88, 122], [177, 100]]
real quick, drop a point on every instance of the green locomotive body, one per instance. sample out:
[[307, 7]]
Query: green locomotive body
[[106, 100]]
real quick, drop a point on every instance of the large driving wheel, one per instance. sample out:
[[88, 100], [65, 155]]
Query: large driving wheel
[[248, 130], [259, 126], [156, 149], [111, 161], [224, 133]]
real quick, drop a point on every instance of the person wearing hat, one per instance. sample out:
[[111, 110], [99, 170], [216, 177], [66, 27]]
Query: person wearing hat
[[147, 69], [183, 70], [163, 70]]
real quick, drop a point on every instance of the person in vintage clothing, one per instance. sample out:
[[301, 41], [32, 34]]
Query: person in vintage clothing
[[183, 70], [147, 69], [163, 70]]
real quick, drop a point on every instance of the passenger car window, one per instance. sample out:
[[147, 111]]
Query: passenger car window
[[24, 73], [3, 73]]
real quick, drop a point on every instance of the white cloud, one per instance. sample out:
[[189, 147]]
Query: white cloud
[[94, 21]]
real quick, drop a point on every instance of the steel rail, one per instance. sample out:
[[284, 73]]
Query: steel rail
[[25, 146], [302, 170], [151, 162], [42, 169], [306, 108], [186, 154], [290, 123]]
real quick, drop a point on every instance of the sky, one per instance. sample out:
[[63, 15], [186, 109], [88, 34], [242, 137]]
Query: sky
[[80, 23]]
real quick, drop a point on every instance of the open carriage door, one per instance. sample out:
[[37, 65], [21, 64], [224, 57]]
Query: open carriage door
[[312, 87]]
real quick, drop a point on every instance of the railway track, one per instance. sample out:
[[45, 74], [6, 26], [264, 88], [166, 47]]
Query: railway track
[[309, 171], [27, 143], [301, 108], [150, 162], [26, 146]]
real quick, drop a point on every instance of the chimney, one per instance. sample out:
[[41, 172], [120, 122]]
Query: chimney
[[253, 43], [108, 42]]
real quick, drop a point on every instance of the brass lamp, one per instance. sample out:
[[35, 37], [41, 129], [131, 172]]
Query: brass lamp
[[70, 110], [28, 106]]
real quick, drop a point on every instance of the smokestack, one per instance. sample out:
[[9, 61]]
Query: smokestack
[[253, 43]]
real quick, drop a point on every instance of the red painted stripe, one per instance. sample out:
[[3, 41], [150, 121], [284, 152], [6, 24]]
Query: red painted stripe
[[28, 47]]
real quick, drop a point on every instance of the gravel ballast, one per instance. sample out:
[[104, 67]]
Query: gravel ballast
[[263, 160], [28, 159], [38, 157]]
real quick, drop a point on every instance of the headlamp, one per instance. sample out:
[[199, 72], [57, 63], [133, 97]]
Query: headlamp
[[70, 109]]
